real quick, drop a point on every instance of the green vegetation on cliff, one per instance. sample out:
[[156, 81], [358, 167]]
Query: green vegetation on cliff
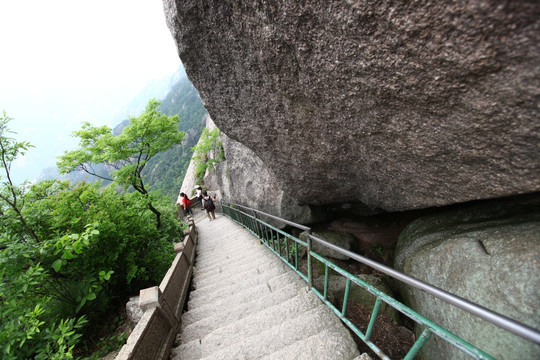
[[208, 152], [70, 253]]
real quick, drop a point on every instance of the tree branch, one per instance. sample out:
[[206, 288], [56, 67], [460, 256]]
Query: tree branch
[[13, 203], [93, 172]]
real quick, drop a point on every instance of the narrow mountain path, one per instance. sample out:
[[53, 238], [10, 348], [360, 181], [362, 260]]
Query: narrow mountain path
[[247, 304]]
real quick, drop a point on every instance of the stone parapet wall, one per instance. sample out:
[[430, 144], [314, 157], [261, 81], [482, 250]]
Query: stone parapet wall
[[154, 334]]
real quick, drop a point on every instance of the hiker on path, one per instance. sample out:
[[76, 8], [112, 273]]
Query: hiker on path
[[186, 204], [198, 195], [208, 204]]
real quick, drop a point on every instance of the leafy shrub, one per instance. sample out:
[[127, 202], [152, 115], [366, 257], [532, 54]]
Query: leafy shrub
[[94, 245], [208, 152]]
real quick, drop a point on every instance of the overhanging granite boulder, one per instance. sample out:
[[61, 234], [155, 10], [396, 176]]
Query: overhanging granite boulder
[[396, 105]]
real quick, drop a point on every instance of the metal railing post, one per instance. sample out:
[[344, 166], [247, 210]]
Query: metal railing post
[[373, 318], [326, 274], [309, 260], [424, 337], [257, 225], [346, 297]]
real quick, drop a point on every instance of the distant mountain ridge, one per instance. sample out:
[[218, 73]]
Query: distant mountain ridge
[[158, 89], [165, 172]]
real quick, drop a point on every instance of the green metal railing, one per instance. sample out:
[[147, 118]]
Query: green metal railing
[[287, 247]]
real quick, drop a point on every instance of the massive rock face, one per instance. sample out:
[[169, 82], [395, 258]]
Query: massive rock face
[[243, 179], [399, 105]]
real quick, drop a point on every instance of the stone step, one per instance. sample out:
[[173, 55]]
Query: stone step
[[205, 315], [190, 351], [224, 245], [217, 238], [221, 240], [213, 227], [329, 344], [201, 272], [229, 263], [239, 272], [260, 290], [253, 324], [223, 253], [236, 284], [248, 304], [273, 339]]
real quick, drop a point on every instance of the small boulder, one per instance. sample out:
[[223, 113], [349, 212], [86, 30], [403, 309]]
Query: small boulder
[[133, 311]]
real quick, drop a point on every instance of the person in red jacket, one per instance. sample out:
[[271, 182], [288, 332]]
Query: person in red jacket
[[186, 204]]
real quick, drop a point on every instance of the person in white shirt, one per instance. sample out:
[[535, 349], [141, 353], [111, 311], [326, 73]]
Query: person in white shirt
[[198, 195]]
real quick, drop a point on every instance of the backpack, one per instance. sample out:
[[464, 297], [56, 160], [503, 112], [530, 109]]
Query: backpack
[[209, 203]]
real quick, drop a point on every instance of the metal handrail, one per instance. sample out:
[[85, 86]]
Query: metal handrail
[[299, 226], [513, 326], [493, 317]]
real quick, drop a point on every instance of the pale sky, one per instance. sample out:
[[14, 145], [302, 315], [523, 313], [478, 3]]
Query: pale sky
[[66, 61]]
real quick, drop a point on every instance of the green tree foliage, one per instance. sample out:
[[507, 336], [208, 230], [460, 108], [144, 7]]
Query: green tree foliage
[[68, 253], [166, 171], [128, 153], [10, 194], [208, 152]]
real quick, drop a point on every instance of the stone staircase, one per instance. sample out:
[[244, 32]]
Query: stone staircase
[[248, 304]]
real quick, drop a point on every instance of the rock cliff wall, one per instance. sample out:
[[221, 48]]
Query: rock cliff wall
[[243, 178], [398, 105]]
